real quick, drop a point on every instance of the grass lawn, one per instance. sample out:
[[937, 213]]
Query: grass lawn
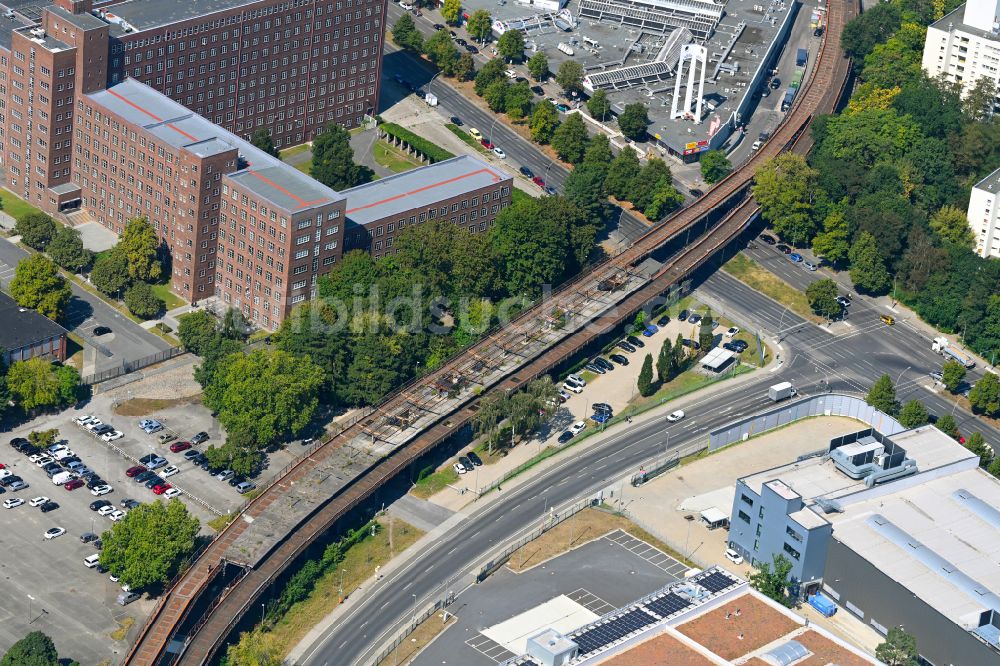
[[751, 273], [144, 406], [392, 158], [305, 167], [170, 298], [466, 137], [359, 564], [15, 206], [429, 485], [518, 195], [294, 150]]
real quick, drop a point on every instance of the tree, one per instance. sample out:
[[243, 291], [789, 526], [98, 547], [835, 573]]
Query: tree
[[538, 65], [868, 270], [38, 383], [598, 105], [496, 95], [43, 439], [980, 101], [771, 579], [35, 649], [645, 383], [994, 467], [570, 76], [651, 178], [491, 72], [584, 187], [899, 647], [142, 302], [150, 544], [951, 224], [264, 396], [530, 247], [198, 331], [599, 152], [36, 230], [255, 648], [66, 249], [705, 336], [110, 273], [985, 395], [261, 138], [784, 187], [866, 30], [510, 46], [622, 173], [333, 160], [544, 121], [913, 414], [665, 199], [480, 25], [665, 362], [882, 396], [833, 243], [570, 139], [633, 121], [680, 355], [37, 284], [952, 375], [406, 35], [714, 166], [442, 51], [978, 445], [948, 425], [517, 101], [465, 68], [822, 295], [140, 246], [451, 12]]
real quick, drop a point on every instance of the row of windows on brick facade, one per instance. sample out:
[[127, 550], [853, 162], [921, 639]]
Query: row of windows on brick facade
[[432, 213]]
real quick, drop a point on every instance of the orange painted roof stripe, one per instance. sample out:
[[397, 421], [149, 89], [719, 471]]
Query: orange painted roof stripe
[[302, 202], [396, 197]]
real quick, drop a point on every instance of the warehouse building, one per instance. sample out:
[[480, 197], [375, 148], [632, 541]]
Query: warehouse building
[[27, 334]]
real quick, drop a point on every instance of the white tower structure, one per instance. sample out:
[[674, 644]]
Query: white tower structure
[[692, 55]]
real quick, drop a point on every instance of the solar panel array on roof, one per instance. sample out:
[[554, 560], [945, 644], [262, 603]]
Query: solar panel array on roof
[[668, 605], [607, 633], [716, 582]]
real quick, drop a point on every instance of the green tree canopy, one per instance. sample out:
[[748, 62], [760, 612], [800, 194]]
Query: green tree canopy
[[570, 76], [489, 73], [140, 246], [38, 285], [531, 248], [951, 224], [570, 139], [977, 444], [665, 363], [442, 51], [517, 101], [150, 544], [496, 95], [714, 166], [480, 25], [771, 579], [705, 336], [264, 396], [645, 383], [784, 187], [36, 230], [985, 395], [255, 648], [952, 375], [544, 121], [833, 243], [142, 302], [261, 138], [868, 270], [585, 188], [406, 35], [38, 383], [882, 396], [35, 649], [198, 331], [622, 173], [511, 45], [866, 30], [599, 152], [633, 121], [538, 65], [66, 249], [913, 414], [899, 647], [110, 273], [333, 160], [822, 295], [598, 105], [465, 68], [451, 12], [948, 425]]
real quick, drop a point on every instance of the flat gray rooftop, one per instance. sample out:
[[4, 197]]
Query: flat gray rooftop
[[991, 183], [955, 20], [281, 185], [419, 188], [84, 21], [146, 14]]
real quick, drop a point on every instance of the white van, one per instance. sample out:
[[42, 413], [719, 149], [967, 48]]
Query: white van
[[92, 561], [62, 478]]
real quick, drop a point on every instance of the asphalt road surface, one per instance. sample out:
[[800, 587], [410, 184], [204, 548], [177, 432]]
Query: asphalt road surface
[[812, 359], [127, 342]]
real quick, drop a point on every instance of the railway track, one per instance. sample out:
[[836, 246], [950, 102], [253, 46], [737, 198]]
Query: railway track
[[823, 89]]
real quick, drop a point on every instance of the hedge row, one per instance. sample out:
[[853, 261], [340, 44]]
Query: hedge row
[[432, 152]]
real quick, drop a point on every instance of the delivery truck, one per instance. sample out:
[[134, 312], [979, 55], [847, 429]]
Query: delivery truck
[[781, 391], [946, 348]]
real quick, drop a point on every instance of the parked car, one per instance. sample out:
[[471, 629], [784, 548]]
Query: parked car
[[460, 468], [476, 134], [166, 437], [810, 266], [245, 487], [112, 435], [564, 436], [169, 471], [81, 420], [844, 301], [693, 344], [225, 475], [595, 368], [733, 556], [795, 257], [604, 363], [578, 427], [767, 239], [499, 152], [663, 321], [650, 330], [476, 460], [144, 476], [54, 532], [177, 447], [172, 493], [625, 345], [676, 416], [199, 438], [736, 346], [733, 330], [600, 417], [634, 341], [602, 407], [781, 247], [74, 484], [572, 388], [99, 504], [102, 489], [619, 359], [48, 506], [526, 172], [12, 502], [683, 315], [134, 471], [538, 181], [191, 454], [161, 488], [158, 463]]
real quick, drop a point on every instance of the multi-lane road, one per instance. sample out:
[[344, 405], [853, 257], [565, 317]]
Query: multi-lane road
[[846, 357]]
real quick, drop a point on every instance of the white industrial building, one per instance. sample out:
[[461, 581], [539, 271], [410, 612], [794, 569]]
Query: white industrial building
[[982, 215], [964, 46]]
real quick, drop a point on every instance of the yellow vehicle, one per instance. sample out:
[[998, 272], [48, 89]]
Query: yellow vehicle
[[888, 320], [476, 134]]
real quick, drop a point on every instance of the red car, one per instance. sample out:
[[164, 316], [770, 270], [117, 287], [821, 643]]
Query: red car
[[537, 180], [159, 489], [74, 484], [487, 144], [177, 447], [134, 471]]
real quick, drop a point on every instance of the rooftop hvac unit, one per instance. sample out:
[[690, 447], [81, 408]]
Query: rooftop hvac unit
[[38, 33]]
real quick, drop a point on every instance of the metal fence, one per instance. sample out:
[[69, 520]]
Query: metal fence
[[826, 404], [131, 366], [668, 462]]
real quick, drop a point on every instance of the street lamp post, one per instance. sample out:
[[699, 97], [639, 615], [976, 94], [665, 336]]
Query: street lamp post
[[30, 599], [900, 377]]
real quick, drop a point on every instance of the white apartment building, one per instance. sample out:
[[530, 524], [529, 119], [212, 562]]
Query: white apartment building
[[964, 45], [982, 215]]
